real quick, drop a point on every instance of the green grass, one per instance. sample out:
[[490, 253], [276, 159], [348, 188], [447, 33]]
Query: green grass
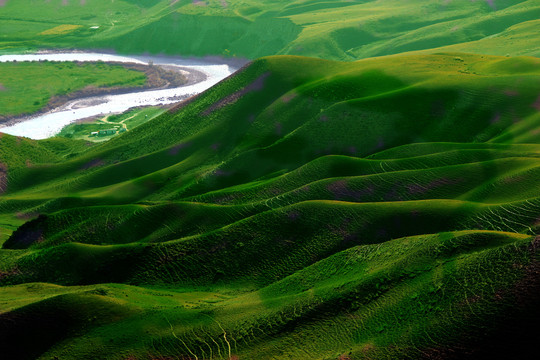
[[29, 86], [343, 29], [303, 208], [346, 304], [129, 120]]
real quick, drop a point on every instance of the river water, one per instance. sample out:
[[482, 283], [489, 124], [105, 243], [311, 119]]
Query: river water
[[49, 124]]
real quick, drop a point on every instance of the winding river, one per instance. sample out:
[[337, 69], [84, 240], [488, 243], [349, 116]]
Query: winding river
[[49, 124]]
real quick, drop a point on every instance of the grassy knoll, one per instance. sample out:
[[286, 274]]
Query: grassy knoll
[[341, 29], [27, 87], [303, 208]]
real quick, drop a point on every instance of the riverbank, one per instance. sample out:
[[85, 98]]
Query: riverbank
[[235, 62], [200, 74], [157, 77], [86, 129]]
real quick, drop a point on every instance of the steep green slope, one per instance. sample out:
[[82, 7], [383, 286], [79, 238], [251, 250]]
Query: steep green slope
[[302, 208], [342, 29]]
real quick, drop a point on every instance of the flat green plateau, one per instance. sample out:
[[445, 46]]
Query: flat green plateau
[[26, 87], [386, 208]]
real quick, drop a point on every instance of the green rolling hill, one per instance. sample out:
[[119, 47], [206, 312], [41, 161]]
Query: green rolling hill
[[339, 29], [303, 208]]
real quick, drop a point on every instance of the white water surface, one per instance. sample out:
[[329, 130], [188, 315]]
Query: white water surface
[[49, 124]]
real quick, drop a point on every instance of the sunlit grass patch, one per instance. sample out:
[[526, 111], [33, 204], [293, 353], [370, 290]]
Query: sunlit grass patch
[[60, 29]]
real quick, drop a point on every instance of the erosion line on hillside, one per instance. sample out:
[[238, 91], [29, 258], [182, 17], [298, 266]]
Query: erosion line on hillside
[[224, 334], [176, 337]]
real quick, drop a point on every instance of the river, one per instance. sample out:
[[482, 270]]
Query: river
[[49, 124]]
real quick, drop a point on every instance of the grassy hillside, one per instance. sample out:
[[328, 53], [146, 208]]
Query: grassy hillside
[[339, 29], [303, 208], [29, 86]]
